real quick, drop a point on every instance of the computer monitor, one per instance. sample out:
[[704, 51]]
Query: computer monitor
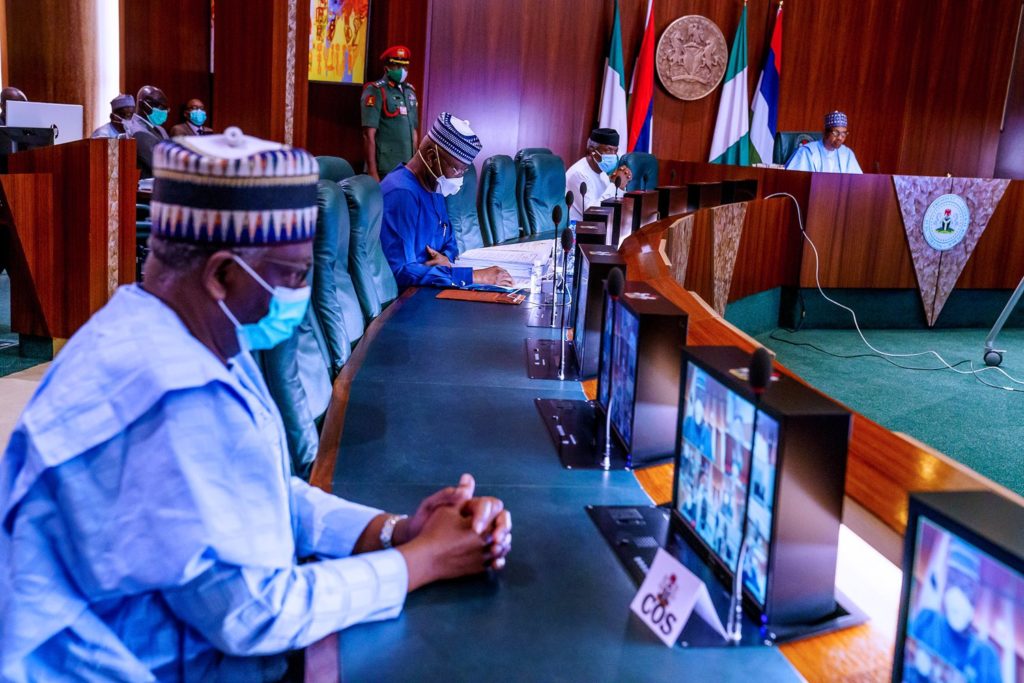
[[639, 367], [962, 609], [593, 263], [773, 469], [719, 487], [19, 139], [65, 119]]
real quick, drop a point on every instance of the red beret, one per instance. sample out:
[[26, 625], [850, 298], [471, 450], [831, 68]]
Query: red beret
[[396, 53]]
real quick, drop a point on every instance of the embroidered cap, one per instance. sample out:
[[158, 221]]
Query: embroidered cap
[[455, 137], [233, 189], [605, 136], [122, 100], [836, 119]]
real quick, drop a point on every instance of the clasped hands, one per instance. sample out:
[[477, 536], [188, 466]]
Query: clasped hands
[[454, 534]]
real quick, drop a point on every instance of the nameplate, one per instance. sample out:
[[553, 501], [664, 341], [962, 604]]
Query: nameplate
[[669, 595], [482, 296]]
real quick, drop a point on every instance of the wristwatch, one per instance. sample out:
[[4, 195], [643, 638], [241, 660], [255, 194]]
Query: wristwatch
[[388, 530]]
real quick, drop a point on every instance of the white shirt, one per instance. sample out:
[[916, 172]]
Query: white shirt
[[814, 156], [599, 187]]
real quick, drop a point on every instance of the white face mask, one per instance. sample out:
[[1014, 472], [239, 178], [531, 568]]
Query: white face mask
[[958, 608], [445, 186]]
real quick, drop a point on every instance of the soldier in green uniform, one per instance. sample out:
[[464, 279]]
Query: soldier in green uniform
[[390, 115]]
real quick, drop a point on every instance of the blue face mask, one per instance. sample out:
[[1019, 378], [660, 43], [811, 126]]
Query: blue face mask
[[287, 309], [197, 117], [157, 116], [608, 163]]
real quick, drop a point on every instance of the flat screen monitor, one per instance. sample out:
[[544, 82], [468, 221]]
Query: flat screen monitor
[[719, 486], [65, 119], [962, 619], [579, 330], [619, 367]]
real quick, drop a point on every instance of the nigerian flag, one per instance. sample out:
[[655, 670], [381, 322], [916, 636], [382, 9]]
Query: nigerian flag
[[731, 144], [613, 91]]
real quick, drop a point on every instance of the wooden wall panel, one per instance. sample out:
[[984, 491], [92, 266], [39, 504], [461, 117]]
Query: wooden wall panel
[[51, 50], [167, 44], [770, 249], [1010, 157], [334, 125], [998, 259]]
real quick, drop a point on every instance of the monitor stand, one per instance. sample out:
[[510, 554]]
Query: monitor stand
[[577, 430], [634, 533], [544, 356], [540, 311]]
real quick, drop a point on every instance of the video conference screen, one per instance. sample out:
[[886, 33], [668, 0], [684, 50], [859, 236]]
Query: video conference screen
[[579, 332], [605, 366], [627, 329], [715, 469], [965, 618]]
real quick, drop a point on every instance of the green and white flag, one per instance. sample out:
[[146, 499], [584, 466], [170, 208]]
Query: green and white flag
[[731, 144], [613, 92]]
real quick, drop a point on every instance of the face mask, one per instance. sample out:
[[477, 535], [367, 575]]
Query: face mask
[[287, 309], [608, 162], [958, 608], [398, 75], [157, 116], [445, 185], [197, 117]]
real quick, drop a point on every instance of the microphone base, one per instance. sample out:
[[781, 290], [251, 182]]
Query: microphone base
[[544, 357], [576, 429]]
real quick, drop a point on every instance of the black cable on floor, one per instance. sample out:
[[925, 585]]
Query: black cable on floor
[[859, 355]]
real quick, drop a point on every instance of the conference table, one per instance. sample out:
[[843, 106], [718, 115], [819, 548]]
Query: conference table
[[441, 390]]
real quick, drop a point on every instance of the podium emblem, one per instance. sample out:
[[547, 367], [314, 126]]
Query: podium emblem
[[946, 221]]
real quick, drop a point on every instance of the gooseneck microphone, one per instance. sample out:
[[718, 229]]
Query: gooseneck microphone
[[556, 218], [569, 199], [759, 376], [672, 178], [567, 240], [618, 185], [583, 198], [616, 283]]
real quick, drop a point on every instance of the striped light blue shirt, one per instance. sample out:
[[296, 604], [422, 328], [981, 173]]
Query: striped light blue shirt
[[150, 526]]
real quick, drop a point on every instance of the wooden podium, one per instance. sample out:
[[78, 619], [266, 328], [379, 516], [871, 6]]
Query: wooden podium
[[67, 227]]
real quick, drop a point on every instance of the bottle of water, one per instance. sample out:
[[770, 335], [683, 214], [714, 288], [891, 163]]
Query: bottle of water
[[535, 276]]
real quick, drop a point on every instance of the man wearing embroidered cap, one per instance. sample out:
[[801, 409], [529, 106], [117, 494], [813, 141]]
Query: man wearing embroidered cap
[[390, 115], [598, 168], [830, 154], [122, 108], [415, 233], [149, 529]]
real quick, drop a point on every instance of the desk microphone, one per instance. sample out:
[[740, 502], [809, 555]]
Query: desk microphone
[[672, 178], [583, 197], [556, 218], [567, 240], [618, 185], [759, 376], [616, 283]]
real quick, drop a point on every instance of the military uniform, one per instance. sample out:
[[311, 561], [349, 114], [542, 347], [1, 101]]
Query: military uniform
[[391, 108]]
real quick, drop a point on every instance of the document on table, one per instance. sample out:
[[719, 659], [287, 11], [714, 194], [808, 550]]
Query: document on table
[[517, 259]]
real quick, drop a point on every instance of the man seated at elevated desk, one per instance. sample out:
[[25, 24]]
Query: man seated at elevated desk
[[150, 527], [830, 154], [415, 233], [601, 159]]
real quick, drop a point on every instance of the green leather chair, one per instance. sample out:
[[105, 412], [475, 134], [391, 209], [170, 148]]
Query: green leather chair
[[299, 382], [520, 157], [645, 170], [462, 213], [543, 189], [334, 296], [374, 282], [334, 169], [787, 143], [497, 204]]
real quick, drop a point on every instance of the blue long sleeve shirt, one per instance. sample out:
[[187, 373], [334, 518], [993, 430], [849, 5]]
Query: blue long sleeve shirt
[[413, 220]]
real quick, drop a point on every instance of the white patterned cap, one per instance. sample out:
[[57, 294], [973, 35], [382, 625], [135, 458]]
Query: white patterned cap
[[233, 189], [836, 119], [454, 136]]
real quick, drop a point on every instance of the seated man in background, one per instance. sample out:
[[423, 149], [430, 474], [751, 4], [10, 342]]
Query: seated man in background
[[830, 154], [193, 120], [9, 94], [122, 108], [146, 126], [601, 159], [416, 234], [150, 528]]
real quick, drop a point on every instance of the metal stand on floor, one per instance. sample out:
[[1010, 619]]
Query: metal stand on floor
[[993, 356]]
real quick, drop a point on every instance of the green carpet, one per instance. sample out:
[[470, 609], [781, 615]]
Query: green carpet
[[10, 360], [974, 424]]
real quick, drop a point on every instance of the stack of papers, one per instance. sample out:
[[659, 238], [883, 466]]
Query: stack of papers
[[517, 259]]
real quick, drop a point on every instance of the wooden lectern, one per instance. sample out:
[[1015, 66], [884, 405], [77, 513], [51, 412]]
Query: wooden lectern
[[67, 223]]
